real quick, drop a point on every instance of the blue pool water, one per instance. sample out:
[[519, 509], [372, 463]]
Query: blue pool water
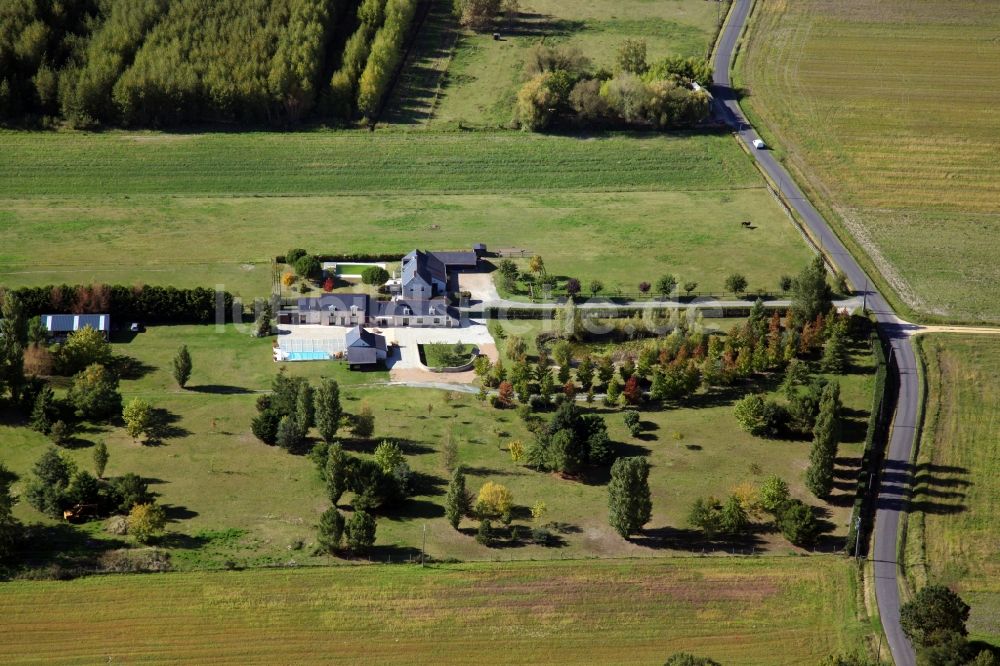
[[308, 356]]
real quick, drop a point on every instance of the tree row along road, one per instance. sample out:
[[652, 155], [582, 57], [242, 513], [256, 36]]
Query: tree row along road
[[896, 478]]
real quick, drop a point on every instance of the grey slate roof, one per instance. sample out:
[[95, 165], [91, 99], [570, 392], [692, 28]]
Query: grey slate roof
[[335, 302], [423, 266], [453, 260], [418, 308], [359, 338]]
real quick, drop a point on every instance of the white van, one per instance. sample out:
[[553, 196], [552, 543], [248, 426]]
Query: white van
[[759, 144]]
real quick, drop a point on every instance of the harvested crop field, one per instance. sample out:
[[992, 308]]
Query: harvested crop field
[[888, 112], [774, 611]]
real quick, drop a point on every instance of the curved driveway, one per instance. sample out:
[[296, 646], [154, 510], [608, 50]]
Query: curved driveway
[[895, 480]]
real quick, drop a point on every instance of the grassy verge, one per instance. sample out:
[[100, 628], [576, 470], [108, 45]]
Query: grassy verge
[[952, 537], [779, 611]]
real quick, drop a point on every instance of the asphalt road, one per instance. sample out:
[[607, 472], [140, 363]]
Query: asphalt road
[[896, 477]]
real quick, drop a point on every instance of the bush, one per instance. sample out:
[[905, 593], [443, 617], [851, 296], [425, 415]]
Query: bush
[[476, 14], [375, 275], [758, 417], [798, 523], [536, 103], [484, 535], [307, 266], [542, 536], [632, 422], [294, 255]]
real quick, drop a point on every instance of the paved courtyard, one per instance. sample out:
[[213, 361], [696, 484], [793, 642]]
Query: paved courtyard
[[404, 360]]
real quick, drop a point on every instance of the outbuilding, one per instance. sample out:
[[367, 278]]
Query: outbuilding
[[61, 326], [364, 348]]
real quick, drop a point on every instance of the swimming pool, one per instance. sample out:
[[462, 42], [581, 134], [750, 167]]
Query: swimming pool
[[308, 356]]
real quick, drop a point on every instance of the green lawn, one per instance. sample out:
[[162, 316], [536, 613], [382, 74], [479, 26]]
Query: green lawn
[[210, 470], [747, 611], [230, 241], [953, 533], [886, 110], [214, 209], [353, 269], [484, 74], [445, 356]]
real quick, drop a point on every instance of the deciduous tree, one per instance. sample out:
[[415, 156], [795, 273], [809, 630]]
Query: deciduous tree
[[138, 416], [94, 393], [494, 501], [629, 499], [934, 612], [146, 521]]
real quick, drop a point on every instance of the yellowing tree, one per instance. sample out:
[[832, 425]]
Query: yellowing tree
[[516, 449], [538, 511], [145, 521], [137, 415], [494, 500]]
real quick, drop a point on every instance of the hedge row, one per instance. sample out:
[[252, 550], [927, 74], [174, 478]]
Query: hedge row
[[386, 52], [348, 257], [871, 460], [154, 305]]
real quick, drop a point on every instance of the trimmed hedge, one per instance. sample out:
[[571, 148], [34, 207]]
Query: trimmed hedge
[[150, 304], [875, 440], [349, 257]]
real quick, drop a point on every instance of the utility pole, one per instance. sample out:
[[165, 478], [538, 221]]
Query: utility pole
[[864, 307], [423, 545], [857, 537]]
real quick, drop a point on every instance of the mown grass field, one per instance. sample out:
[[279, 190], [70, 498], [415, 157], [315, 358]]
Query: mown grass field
[[484, 74], [201, 241], [954, 536], [57, 164], [888, 111], [209, 469], [183, 210], [747, 611]]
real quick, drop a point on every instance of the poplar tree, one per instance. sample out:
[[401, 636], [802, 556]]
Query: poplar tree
[[457, 499], [328, 409]]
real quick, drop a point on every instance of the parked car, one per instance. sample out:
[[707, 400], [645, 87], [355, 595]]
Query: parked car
[[136, 327], [759, 144]]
